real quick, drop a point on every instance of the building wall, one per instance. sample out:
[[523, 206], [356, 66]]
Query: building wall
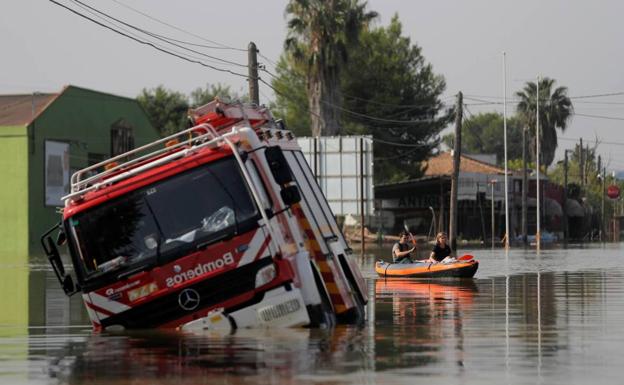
[[13, 194], [82, 119]]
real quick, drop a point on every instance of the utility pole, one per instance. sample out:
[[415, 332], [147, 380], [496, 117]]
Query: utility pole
[[455, 177], [565, 198], [600, 176], [602, 204], [362, 197], [587, 164], [538, 235], [505, 145], [525, 185], [582, 162], [492, 183], [253, 73]]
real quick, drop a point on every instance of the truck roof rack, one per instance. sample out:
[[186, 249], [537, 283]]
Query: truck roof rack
[[143, 158], [221, 115], [209, 124]]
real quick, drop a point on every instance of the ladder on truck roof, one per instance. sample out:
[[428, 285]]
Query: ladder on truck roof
[[222, 115], [143, 158]]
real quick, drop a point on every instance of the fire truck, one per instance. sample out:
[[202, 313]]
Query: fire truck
[[219, 226]]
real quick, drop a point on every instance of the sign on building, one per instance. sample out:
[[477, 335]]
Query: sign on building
[[56, 172]]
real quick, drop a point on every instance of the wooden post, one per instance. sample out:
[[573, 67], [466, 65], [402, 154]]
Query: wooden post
[[602, 208], [565, 198], [455, 175], [253, 73]]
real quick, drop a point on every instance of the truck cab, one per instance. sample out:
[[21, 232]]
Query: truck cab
[[220, 226]]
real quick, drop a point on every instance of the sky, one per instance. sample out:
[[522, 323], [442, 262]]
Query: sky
[[578, 43]]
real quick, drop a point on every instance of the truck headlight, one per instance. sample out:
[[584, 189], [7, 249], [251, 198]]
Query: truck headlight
[[265, 275]]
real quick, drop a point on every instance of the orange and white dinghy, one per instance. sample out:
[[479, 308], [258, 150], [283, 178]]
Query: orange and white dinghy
[[463, 267]]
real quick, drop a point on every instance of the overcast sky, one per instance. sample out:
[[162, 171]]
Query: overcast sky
[[578, 43]]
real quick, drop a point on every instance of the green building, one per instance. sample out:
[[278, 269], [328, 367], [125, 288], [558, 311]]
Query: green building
[[44, 138]]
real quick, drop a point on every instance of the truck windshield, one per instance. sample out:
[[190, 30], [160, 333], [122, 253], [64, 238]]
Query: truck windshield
[[164, 220]]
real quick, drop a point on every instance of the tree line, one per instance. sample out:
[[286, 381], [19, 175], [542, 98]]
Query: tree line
[[341, 74]]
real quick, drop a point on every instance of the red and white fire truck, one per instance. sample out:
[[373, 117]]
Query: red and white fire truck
[[219, 226]]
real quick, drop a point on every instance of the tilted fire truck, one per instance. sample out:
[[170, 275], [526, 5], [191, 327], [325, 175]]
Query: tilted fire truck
[[222, 225]]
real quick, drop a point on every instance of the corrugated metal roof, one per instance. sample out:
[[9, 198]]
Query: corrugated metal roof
[[443, 165], [19, 110]]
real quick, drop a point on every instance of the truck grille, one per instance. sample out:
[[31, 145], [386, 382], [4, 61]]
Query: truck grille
[[211, 291]]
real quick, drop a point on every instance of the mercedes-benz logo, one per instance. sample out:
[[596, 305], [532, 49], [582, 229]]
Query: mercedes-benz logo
[[188, 299]]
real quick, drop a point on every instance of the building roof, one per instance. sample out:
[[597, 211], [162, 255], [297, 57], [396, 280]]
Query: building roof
[[443, 165], [20, 110]]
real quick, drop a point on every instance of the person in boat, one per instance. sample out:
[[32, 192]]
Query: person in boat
[[401, 250], [441, 252]]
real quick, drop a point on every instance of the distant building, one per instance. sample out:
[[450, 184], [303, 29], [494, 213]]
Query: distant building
[[44, 138], [423, 204], [481, 187]]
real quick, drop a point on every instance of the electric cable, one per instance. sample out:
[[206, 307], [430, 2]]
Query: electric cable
[[151, 44]]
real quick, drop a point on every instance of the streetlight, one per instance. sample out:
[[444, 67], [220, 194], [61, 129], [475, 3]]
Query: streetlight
[[505, 150], [538, 235]]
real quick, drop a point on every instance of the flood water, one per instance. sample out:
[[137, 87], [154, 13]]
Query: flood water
[[552, 318]]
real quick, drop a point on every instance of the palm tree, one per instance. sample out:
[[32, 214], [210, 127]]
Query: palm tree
[[555, 109], [320, 33]]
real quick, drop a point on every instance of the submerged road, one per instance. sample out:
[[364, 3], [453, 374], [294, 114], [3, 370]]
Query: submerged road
[[552, 318]]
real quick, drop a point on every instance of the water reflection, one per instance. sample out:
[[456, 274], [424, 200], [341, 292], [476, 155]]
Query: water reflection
[[417, 318], [546, 319], [279, 356]]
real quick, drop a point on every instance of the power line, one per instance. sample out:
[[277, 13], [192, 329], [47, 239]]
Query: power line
[[401, 144], [193, 60], [407, 106], [155, 35], [619, 93], [599, 116], [220, 45], [597, 95], [274, 64], [151, 44], [601, 142], [364, 116], [396, 156]]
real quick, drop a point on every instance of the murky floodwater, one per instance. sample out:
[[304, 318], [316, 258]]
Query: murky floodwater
[[556, 318]]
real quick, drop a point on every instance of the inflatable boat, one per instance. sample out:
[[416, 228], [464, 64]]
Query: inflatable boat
[[462, 268]]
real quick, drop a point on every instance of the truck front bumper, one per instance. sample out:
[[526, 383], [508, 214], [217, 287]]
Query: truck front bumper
[[279, 308]]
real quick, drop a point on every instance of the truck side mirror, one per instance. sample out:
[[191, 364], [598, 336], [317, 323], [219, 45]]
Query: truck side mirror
[[55, 258], [61, 238], [49, 246], [290, 195], [279, 165]]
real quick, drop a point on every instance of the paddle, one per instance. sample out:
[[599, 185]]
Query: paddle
[[410, 234]]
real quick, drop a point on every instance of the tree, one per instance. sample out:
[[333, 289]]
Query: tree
[[201, 96], [290, 97], [483, 134], [166, 109], [320, 33], [391, 92], [555, 109]]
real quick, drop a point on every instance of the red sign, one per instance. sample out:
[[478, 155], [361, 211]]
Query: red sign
[[613, 192]]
